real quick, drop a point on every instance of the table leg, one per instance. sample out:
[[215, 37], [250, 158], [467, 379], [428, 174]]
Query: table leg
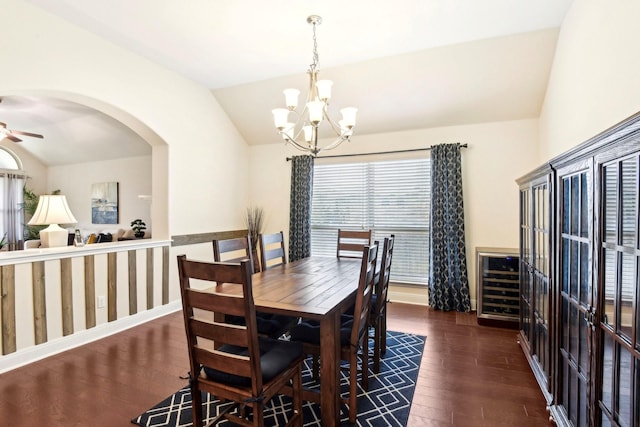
[[329, 370]]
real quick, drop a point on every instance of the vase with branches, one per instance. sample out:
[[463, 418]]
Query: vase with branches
[[253, 221]]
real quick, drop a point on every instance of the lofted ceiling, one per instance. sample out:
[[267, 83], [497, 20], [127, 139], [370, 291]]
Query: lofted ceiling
[[405, 64]]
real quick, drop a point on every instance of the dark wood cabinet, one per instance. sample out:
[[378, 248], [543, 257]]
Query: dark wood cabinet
[[536, 202], [580, 279]]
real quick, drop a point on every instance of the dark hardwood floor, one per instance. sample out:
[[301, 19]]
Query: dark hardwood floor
[[470, 376]]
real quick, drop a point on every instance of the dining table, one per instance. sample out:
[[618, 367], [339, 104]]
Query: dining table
[[321, 289]]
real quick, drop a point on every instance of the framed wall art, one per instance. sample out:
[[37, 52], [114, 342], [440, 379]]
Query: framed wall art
[[104, 203]]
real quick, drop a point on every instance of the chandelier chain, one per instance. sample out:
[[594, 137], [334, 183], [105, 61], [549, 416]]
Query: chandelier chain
[[314, 65]]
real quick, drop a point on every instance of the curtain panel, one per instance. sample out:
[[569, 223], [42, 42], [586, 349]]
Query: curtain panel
[[300, 207], [448, 279], [11, 215]]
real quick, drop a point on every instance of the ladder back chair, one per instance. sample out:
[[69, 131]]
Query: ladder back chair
[[272, 248], [353, 332], [235, 250], [352, 242], [243, 368], [378, 315], [241, 249]]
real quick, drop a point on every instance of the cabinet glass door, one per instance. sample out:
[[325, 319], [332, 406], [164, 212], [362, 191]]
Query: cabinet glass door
[[575, 270], [525, 265], [619, 295], [540, 277]]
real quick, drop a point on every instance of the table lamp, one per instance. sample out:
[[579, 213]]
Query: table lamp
[[53, 210]]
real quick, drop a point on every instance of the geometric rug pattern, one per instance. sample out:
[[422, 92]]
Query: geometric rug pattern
[[386, 403]]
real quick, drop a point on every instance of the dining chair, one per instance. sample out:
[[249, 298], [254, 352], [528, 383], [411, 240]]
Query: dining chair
[[378, 314], [353, 332], [241, 249], [235, 250], [352, 242], [272, 248], [244, 368]]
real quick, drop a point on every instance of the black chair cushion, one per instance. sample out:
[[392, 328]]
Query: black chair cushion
[[271, 325], [275, 357], [309, 331]]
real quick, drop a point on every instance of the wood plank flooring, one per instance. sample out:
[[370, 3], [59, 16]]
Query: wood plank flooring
[[470, 376]]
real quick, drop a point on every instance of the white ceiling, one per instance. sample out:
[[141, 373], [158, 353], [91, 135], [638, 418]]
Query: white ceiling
[[405, 64]]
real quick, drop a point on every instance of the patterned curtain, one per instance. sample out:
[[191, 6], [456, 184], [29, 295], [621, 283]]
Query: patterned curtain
[[448, 280], [300, 207], [11, 217]]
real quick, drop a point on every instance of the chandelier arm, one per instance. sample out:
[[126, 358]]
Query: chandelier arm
[[334, 144], [297, 145], [334, 126]]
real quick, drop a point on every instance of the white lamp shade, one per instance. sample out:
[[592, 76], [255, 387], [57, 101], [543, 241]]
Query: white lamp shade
[[53, 210], [308, 133], [280, 117], [291, 98], [315, 111], [324, 89], [349, 117]]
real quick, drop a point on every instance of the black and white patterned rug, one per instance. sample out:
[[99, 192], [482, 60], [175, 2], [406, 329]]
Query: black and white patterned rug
[[386, 403]]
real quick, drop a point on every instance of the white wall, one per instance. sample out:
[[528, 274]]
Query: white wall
[[594, 82], [498, 153], [133, 176], [196, 150]]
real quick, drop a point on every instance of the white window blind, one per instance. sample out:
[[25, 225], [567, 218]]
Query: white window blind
[[388, 197]]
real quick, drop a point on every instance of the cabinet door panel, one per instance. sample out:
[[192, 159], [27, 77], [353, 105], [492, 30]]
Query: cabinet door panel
[[619, 300], [575, 238]]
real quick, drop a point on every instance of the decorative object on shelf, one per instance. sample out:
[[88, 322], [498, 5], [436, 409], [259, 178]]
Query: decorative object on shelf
[[253, 221], [77, 238], [53, 210], [303, 134], [138, 227], [3, 241], [104, 203]]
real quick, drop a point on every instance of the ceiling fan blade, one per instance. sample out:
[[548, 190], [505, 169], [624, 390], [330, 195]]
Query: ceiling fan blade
[[13, 138], [33, 135]]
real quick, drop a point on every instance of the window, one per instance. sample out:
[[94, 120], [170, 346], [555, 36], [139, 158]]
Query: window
[[388, 197], [11, 184]]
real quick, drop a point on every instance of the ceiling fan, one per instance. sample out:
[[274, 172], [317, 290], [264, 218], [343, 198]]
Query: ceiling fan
[[11, 134]]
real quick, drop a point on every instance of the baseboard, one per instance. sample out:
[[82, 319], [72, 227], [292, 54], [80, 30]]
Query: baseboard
[[41, 351], [417, 295]]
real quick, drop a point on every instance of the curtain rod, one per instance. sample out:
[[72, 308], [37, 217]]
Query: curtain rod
[[380, 152]]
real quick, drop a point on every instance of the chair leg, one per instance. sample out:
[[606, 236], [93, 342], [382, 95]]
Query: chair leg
[[297, 397], [196, 406], [383, 332], [376, 345], [258, 414], [353, 387], [365, 363], [315, 367]]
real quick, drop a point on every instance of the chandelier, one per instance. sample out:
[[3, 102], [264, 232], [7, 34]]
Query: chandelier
[[303, 133]]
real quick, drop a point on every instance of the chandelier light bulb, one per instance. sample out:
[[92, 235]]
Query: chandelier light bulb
[[349, 116], [308, 133], [315, 111], [291, 98], [324, 89], [280, 117]]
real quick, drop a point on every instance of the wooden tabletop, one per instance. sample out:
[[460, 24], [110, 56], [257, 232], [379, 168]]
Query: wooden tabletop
[[311, 287]]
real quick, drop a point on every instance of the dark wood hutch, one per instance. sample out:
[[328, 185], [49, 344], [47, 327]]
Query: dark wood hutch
[[579, 279]]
